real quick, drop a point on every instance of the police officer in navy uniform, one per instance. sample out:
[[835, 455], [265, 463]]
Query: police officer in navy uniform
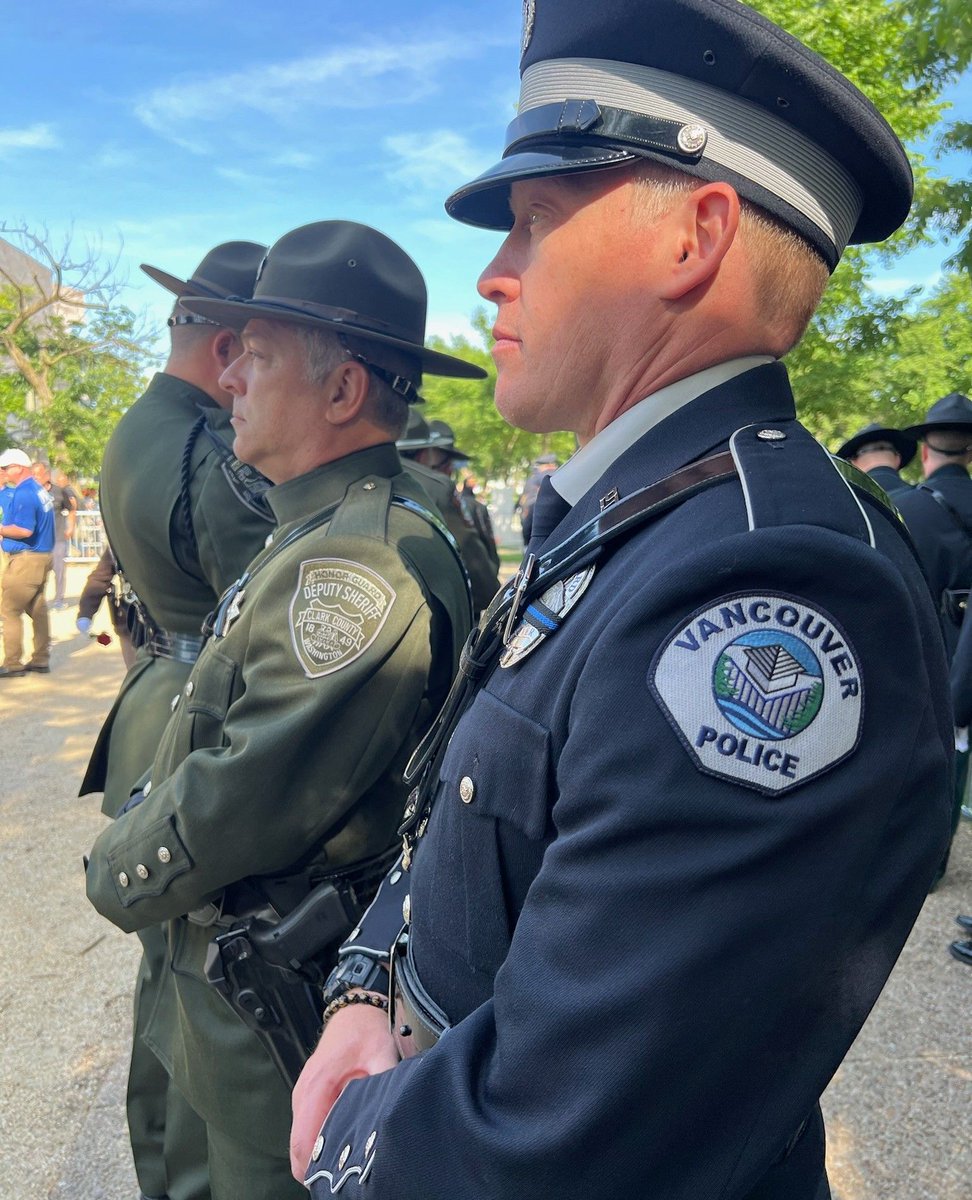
[[938, 513], [882, 453], [682, 807]]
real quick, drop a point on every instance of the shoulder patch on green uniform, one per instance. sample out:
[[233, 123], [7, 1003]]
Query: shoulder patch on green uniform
[[336, 613]]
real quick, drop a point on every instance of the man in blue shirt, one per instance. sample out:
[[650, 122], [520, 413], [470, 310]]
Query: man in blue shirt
[[27, 535]]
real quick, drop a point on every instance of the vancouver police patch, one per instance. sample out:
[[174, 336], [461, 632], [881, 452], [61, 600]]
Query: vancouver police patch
[[336, 613], [762, 689]]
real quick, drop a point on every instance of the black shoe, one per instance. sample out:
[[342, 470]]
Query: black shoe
[[38, 668], [12, 672], [962, 951], [965, 922]]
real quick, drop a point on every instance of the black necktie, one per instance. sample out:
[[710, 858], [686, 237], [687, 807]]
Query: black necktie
[[549, 510]]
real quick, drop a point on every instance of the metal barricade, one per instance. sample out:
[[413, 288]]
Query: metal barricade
[[89, 542]]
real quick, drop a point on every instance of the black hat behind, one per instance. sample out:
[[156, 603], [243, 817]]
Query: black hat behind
[[229, 269], [953, 411], [348, 278], [428, 435], [905, 446], [708, 87]]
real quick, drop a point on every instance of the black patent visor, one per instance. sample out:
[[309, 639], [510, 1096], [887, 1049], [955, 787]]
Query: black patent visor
[[563, 138]]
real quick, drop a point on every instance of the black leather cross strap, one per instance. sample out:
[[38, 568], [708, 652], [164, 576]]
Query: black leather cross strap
[[482, 650], [957, 518]]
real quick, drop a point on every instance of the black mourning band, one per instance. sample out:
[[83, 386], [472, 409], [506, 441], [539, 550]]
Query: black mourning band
[[589, 121]]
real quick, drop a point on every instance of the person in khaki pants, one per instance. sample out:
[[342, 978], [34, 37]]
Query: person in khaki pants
[[28, 542]]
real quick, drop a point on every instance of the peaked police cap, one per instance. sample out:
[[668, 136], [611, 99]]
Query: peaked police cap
[[229, 269], [710, 88], [905, 446], [346, 277]]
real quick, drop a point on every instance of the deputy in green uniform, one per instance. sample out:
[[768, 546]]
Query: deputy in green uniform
[[282, 762], [430, 459], [182, 529]]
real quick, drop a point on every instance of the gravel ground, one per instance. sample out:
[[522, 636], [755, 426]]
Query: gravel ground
[[897, 1112]]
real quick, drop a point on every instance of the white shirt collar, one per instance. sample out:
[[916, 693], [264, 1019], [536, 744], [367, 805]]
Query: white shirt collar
[[579, 474]]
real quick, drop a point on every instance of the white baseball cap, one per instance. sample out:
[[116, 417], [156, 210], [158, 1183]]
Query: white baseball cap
[[14, 458]]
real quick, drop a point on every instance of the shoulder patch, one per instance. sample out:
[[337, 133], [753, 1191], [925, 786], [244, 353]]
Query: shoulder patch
[[764, 690], [336, 613]]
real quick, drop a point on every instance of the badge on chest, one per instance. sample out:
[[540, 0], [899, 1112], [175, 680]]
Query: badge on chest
[[762, 689], [544, 616]]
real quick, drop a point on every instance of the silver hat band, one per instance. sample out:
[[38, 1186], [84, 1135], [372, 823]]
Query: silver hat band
[[740, 136]]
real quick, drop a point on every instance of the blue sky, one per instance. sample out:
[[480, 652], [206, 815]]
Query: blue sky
[[170, 125]]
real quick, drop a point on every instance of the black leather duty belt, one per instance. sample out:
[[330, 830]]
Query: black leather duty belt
[[413, 1011], [180, 647]]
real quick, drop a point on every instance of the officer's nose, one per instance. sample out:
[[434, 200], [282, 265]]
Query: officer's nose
[[232, 378], [499, 283]]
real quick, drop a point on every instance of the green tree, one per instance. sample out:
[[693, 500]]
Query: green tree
[[71, 358]]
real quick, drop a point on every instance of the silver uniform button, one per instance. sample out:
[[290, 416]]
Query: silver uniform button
[[165, 854], [175, 704], [190, 688], [369, 487], [123, 879], [407, 909], [394, 877], [692, 138], [369, 1144], [771, 435], [467, 790], [318, 1147], [142, 871], [345, 1153]]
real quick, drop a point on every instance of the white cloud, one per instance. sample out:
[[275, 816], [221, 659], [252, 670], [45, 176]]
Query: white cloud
[[361, 76], [897, 285], [34, 137], [432, 162]]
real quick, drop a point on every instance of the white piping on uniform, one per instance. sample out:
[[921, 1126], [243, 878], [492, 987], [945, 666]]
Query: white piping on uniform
[[742, 475]]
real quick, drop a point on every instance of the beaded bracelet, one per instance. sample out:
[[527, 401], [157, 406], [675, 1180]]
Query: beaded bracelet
[[373, 998]]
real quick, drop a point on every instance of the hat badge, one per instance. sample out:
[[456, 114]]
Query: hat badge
[[692, 138], [529, 17]]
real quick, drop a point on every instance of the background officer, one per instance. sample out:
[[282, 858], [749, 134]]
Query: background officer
[[882, 453], [430, 454], [938, 514], [281, 765], [680, 764], [182, 531]]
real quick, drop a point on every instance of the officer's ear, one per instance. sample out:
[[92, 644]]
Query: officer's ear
[[226, 347], [346, 392], [700, 229]]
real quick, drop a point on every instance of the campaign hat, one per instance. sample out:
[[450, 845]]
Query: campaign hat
[[710, 88], [905, 446], [229, 269], [14, 458], [346, 277], [428, 435], [953, 411]]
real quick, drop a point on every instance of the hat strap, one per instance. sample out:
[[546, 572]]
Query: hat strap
[[398, 383]]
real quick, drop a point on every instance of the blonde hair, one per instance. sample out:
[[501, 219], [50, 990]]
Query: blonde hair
[[789, 276]]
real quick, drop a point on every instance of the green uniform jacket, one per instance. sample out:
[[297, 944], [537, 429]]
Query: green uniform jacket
[[178, 575], [288, 743], [475, 556]]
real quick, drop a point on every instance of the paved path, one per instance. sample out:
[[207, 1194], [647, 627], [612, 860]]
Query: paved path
[[898, 1111]]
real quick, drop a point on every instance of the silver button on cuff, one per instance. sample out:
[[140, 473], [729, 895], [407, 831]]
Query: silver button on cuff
[[142, 871], [190, 688], [407, 909], [345, 1154], [123, 879], [165, 854], [467, 790], [370, 1143], [318, 1148]]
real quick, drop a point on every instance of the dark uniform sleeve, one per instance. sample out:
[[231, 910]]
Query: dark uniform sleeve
[[269, 760], [960, 676], [695, 955]]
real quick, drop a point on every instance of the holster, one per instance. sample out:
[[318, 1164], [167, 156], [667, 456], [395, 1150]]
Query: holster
[[412, 1007], [954, 603]]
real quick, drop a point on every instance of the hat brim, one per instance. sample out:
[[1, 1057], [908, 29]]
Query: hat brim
[[919, 431], [905, 445], [237, 313], [485, 201], [182, 287]]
